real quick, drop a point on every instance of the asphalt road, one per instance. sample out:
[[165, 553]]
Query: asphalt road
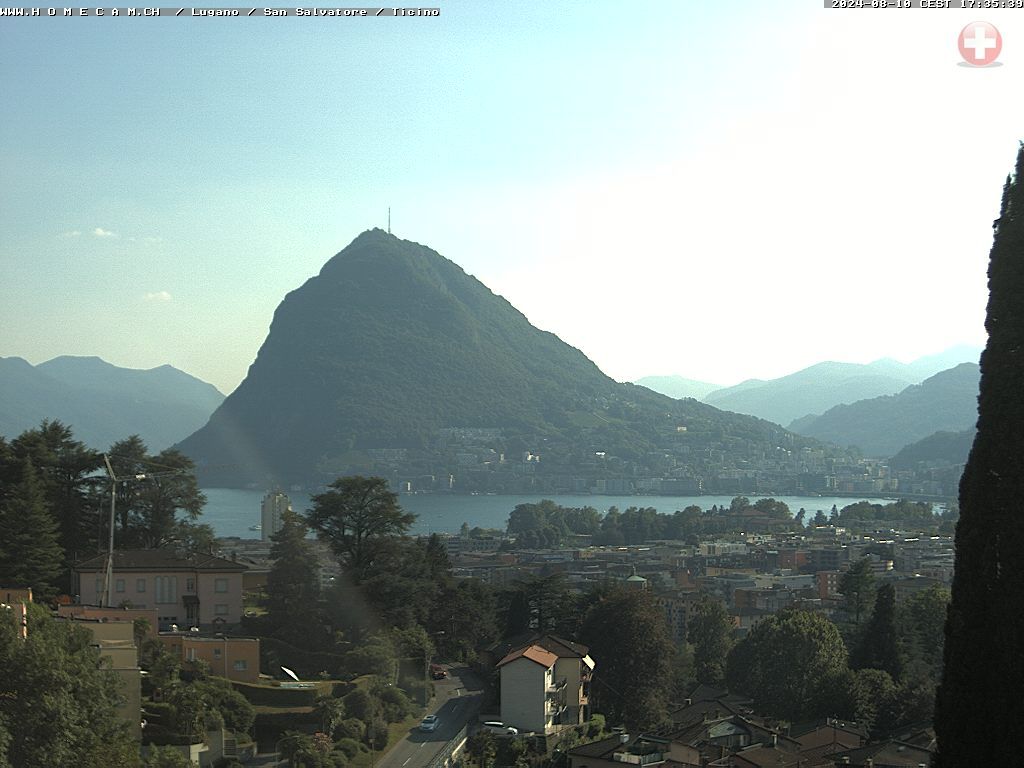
[[457, 700]]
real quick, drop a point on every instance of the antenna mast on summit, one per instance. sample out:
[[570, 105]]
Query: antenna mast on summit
[[389, 219]]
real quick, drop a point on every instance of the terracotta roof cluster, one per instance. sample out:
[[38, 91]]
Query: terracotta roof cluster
[[546, 650]]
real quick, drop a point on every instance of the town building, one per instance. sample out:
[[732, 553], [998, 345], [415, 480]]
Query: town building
[[186, 589], [545, 685]]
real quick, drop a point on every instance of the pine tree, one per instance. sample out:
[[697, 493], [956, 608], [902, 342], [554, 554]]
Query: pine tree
[[293, 584], [30, 554], [979, 708], [879, 645]]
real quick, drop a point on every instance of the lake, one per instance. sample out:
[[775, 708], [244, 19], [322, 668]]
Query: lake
[[231, 511]]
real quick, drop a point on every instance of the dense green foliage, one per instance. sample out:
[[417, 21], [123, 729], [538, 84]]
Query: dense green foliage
[[30, 554], [392, 343], [857, 585], [293, 584], [625, 630], [57, 700], [709, 631], [163, 506], [879, 644], [980, 710], [789, 664], [357, 518]]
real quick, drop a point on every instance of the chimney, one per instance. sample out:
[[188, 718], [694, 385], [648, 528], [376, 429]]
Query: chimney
[[623, 738], [775, 739]]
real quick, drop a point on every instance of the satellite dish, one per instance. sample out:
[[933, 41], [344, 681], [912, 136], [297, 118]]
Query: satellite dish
[[290, 674]]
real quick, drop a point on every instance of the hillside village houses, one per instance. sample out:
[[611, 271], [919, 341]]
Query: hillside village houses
[[753, 574]]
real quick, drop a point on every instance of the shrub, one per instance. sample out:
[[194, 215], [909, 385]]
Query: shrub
[[349, 746]]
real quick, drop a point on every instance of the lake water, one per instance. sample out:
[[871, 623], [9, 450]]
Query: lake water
[[231, 511]]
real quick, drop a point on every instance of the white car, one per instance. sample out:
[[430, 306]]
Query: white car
[[493, 726], [429, 723]]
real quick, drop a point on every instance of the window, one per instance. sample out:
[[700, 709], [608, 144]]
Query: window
[[241, 665], [166, 589], [220, 585], [190, 585], [216, 653], [119, 585], [99, 586], [190, 654], [140, 585], [220, 609]]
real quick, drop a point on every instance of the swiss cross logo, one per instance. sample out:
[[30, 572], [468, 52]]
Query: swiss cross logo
[[980, 43]]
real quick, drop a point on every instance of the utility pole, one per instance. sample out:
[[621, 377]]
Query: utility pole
[[389, 219], [108, 578]]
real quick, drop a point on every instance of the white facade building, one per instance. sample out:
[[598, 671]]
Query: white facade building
[[274, 505]]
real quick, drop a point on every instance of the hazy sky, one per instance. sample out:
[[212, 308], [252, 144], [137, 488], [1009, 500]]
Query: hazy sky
[[720, 190]]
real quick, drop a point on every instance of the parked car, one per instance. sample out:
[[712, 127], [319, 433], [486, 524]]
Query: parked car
[[438, 672], [429, 723], [493, 726]]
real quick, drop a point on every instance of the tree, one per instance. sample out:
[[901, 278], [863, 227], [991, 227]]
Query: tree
[[293, 584], [629, 643], [857, 585], [483, 749], [921, 619], [65, 468], [161, 508], [879, 644], [30, 554], [61, 696], [355, 517], [166, 757], [710, 633], [789, 664], [820, 519], [980, 712]]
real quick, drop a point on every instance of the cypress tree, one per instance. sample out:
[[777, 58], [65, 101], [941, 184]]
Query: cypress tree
[[979, 708], [879, 646]]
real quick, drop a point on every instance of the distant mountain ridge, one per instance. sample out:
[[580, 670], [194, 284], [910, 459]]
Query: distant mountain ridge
[[102, 402], [678, 387], [813, 390], [882, 426], [393, 353]]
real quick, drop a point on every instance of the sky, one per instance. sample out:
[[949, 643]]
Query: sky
[[717, 190]]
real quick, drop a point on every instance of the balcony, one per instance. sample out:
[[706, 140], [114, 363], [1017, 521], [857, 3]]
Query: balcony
[[633, 759], [557, 686]]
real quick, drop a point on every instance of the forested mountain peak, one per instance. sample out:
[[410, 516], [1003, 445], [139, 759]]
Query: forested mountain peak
[[392, 346]]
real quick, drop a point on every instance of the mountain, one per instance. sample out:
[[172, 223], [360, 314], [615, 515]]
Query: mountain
[[103, 403], [881, 426], [394, 361], [939, 448], [815, 389], [677, 387], [811, 390]]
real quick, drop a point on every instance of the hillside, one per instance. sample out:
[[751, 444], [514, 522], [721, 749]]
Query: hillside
[[940, 448], [103, 403], [881, 426], [811, 390], [678, 387], [393, 360]]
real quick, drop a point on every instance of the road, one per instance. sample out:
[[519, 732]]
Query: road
[[457, 701]]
